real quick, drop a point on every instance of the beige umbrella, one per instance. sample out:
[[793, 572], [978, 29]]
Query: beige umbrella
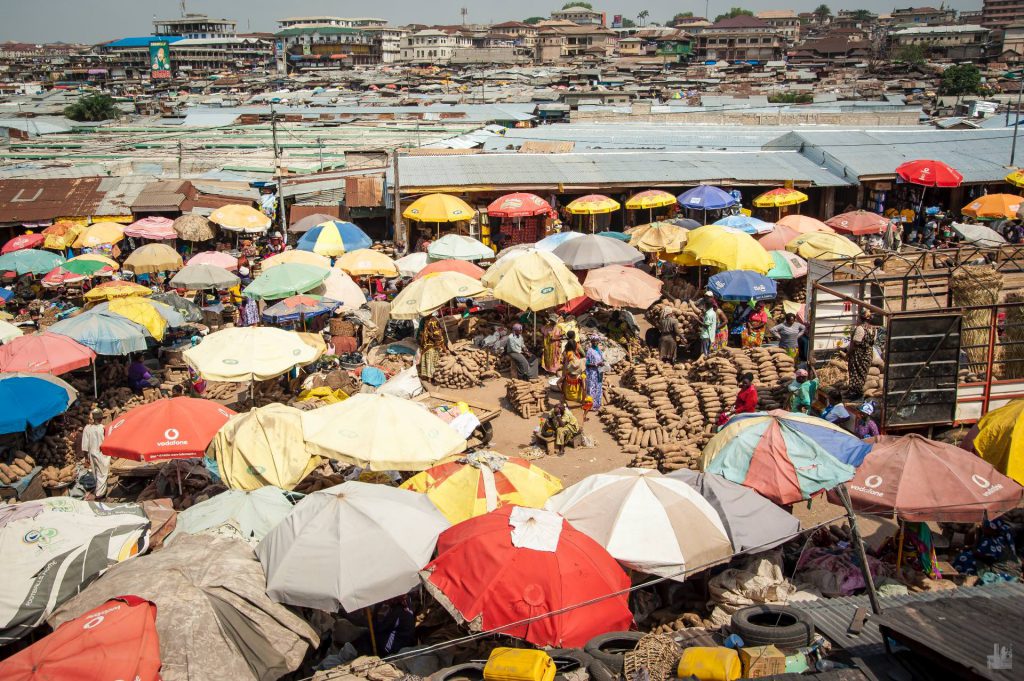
[[536, 280], [299, 257], [194, 228], [426, 295], [153, 258], [249, 353], [367, 262]]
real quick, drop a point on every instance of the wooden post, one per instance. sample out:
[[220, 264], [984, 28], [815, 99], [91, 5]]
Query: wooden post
[[858, 545]]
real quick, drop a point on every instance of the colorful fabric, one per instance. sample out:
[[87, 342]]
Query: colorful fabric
[[551, 359], [573, 377], [595, 378], [859, 357]]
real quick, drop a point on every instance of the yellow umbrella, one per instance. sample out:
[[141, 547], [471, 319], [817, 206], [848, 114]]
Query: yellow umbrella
[[652, 198], [300, 257], [97, 257], [592, 204], [438, 208], [426, 295], [248, 353], [153, 258], [536, 280], [239, 218], [117, 289], [1016, 178], [1000, 439], [658, 236], [367, 262], [262, 447], [823, 246], [728, 249], [996, 206], [465, 487], [141, 311], [777, 198], [99, 234]]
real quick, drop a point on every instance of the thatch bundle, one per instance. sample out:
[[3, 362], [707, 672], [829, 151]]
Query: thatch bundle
[[1011, 350], [972, 286]]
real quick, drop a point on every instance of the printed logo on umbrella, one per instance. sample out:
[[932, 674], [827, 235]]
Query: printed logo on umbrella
[[43, 536], [870, 486], [512, 203], [547, 289], [984, 483], [171, 436]]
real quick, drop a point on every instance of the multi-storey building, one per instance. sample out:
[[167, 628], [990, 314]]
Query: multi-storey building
[[344, 22], [923, 16], [1001, 13], [741, 38], [578, 14], [195, 26], [945, 42], [336, 45], [390, 40], [524, 35], [563, 40], [785, 21], [431, 46]]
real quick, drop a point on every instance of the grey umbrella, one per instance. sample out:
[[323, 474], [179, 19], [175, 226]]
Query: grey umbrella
[[591, 251], [309, 222], [197, 277], [185, 307]]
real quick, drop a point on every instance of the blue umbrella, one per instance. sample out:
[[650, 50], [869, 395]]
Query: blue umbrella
[[31, 400], [621, 236], [550, 243], [746, 223], [742, 285], [706, 197], [685, 223], [106, 333], [329, 235]]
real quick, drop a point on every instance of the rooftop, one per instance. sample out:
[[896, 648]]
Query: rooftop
[[322, 30], [923, 30], [776, 14], [741, 21], [143, 41]]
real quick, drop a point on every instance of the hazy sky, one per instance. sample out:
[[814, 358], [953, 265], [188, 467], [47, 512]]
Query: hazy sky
[[93, 21]]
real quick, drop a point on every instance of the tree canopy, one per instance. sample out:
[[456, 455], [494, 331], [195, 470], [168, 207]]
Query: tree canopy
[[92, 108], [577, 4], [628, 23], [862, 14], [822, 12], [734, 12], [910, 54], [533, 20], [961, 79]]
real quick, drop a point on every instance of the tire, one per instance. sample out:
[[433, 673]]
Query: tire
[[569, 660], [599, 671], [611, 648], [470, 671], [779, 625], [484, 433]]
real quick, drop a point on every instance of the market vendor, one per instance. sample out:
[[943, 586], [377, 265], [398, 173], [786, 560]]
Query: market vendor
[[864, 426], [432, 344], [802, 390], [92, 439], [515, 346], [668, 329], [789, 333], [558, 428], [139, 376], [746, 400]]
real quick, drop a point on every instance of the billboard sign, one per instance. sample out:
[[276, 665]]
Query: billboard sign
[[617, 21], [160, 59]]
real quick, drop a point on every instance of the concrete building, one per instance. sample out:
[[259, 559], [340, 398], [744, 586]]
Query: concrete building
[[195, 26], [524, 35], [923, 16], [944, 42], [740, 38], [329, 45], [578, 14], [563, 40], [431, 46], [785, 21], [344, 22], [1001, 13], [390, 40], [1012, 49]]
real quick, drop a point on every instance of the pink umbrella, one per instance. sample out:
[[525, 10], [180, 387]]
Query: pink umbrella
[[44, 353], [24, 241], [216, 258], [152, 228], [777, 239]]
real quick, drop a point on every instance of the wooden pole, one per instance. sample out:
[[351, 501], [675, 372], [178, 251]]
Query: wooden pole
[[858, 545], [373, 634]]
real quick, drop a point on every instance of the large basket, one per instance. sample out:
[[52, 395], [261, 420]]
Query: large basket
[[342, 327], [657, 653]]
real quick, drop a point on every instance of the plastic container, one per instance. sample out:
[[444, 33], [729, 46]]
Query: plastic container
[[710, 664], [517, 664]]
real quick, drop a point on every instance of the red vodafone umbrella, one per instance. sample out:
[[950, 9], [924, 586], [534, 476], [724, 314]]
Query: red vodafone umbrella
[[117, 640], [174, 428], [918, 479], [24, 241], [450, 265], [519, 205], [483, 578], [929, 173], [45, 353], [858, 222]]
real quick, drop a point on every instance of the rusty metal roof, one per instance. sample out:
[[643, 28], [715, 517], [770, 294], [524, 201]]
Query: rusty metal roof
[[163, 195], [42, 200]]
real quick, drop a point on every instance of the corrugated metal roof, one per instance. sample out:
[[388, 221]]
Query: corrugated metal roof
[[485, 113], [35, 126], [121, 193], [41, 200]]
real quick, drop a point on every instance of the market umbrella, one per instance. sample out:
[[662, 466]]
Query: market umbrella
[[1016, 178], [618, 236], [705, 197], [728, 249], [104, 332], [8, 332], [550, 243], [61, 276], [461, 266], [23, 241], [995, 206], [784, 456], [109, 290], [685, 223], [804, 224], [285, 280], [592, 251], [82, 263], [153, 227], [154, 317], [647, 521], [295, 257], [754, 524], [195, 277], [115, 640], [367, 263], [350, 546], [458, 247], [29, 261], [299, 308], [858, 222], [537, 280], [262, 447], [519, 205], [592, 204], [619, 286], [929, 173], [740, 285], [339, 287], [153, 258], [193, 228], [438, 208], [217, 259], [362, 431], [61, 234], [651, 198], [87, 268], [978, 234], [658, 237], [426, 295], [213, 616], [746, 223], [1000, 439], [100, 234], [188, 310], [309, 222], [777, 239], [778, 198], [248, 353], [239, 218], [248, 514], [824, 246], [334, 237], [787, 265], [411, 265], [172, 428], [516, 563], [31, 400], [463, 487], [44, 353]]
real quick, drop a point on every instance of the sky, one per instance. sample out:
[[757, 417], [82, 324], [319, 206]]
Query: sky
[[94, 21]]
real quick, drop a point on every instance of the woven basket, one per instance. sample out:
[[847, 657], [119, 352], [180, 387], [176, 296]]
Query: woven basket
[[657, 653]]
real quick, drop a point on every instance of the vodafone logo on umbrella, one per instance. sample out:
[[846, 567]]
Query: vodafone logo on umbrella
[[171, 436], [870, 486], [984, 483]]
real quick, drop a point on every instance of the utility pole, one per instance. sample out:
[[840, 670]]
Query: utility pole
[[279, 173], [401, 237], [179, 159], [1016, 118]]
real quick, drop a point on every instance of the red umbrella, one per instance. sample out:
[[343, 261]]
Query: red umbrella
[[117, 640], [45, 353], [449, 265], [858, 222], [484, 579], [918, 479], [519, 205], [24, 241], [175, 428], [929, 173]]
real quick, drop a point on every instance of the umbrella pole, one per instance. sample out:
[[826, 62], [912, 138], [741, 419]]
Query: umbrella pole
[[373, 634], [95, 381], [858, 544], [899, 549]]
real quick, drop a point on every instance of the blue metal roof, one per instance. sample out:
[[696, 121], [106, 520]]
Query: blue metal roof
[[143, 41]]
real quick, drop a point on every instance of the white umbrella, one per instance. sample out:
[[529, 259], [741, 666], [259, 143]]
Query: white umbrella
[[458, 247], [340, 287], [248, 353], [410, 265], [979, 235]]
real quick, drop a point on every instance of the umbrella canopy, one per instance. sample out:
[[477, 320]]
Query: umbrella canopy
[[367, 263], [468, 486], [804, 224], [858, 222], [489, 574], [742, 285], [84, 260], [350, 546], [592, 251], [1016, 178], [996, 206], [309, 222], [461, 266], [438, 208], [519, 205], [787, 265], [746, 223], [646, 521], [193, 228], [777, 198], [1000, 439], [99, 234], [650, 199], [188, 310], [426, 295], [44, 353], [299, 307], [218, 259], [620, 286], [153, 227], [824, 246], [339, 287], [264, 446], [619, 236], [592, 204], [29, 261], [20, 243], [458, 247], [659, 237], [153, 258], [334, 237], [116, 640], [685, 223], [929, 173], [88, 268], [59, 276], [204, 277], [296, 258], [411, 265], [361, 431], [537, 280], [285, 280], [62, 234], [777, 239], [248, 353], [249, 514], [728, 249], [978, 234], [8, 332], [239, 218], [213, 617], [109, 290], [550, 243], [174, 428], [706, 197], [31, 400], [754, 524], [784, 456], [154, 317], [103, 332]]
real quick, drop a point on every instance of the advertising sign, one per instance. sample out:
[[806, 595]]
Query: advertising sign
[[160, 59]]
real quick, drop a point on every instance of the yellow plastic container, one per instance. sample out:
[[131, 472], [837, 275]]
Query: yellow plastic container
[[710, 664], [515, 664]]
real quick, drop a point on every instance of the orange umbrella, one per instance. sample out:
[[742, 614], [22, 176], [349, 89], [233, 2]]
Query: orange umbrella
[[451, 265], [620, 286], [858, 222], [997, 206], [804, 224]]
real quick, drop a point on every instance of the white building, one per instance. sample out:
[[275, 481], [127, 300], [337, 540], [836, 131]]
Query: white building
[[578, 14], [390, 38], [195, 26], [344, 22], [430, 46]]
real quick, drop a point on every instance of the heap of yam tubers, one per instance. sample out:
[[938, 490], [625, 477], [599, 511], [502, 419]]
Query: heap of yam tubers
[[528, 398], [21, 466], [464, 366]]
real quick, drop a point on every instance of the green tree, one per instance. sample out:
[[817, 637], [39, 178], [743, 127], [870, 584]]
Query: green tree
[[642, 16], [533, 20], [862, 15], [910, 54], [680, 16], [577, 4], [734, 12], [95, 107], [628, 23], [959, 80], [821, 13]]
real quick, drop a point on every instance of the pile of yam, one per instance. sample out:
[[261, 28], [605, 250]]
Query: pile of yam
[[464, 366], [20, 466], [686, 313], [528, 398], [51, 476]]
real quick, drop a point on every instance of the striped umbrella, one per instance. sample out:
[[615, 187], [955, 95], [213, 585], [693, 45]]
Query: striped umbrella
[[334, 237]]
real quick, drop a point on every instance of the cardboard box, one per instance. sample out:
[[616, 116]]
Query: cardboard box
[[761, 661]]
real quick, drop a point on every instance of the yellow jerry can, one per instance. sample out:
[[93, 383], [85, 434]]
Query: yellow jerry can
[[517, 664]]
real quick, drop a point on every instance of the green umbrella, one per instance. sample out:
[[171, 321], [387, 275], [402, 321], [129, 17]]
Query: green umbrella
[[29, 261], [787, 265], [285, 280], [85, 267]]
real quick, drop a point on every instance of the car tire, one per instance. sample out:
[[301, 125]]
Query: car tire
[[470, 671], [779, 625], [610, 649], [569, 660]]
